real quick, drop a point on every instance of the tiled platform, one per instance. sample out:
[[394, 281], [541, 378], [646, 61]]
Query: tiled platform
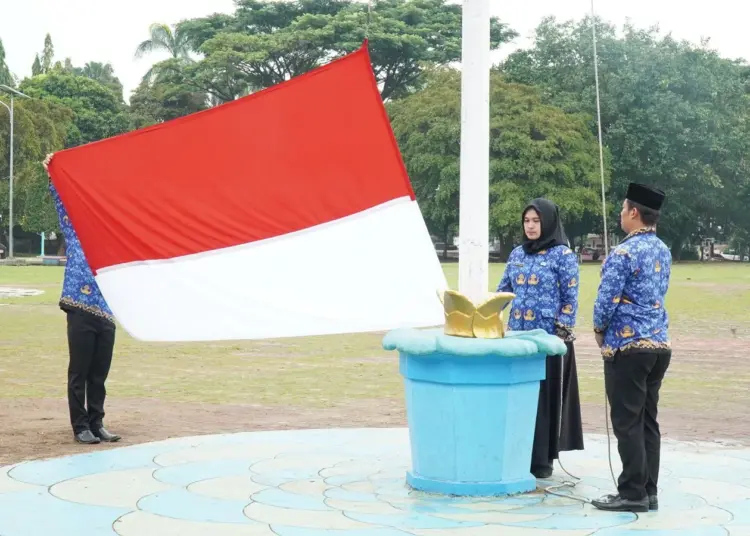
[[345, 483]]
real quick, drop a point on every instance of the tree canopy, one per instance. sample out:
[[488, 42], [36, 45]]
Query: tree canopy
[[673, 114], [535, 150], [265, 43]]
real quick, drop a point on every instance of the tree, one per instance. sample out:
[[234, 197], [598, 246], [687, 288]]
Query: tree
[[165, 97], [103, 73], [40, 128], [162, 39], [6, 77], [536, 150], [36, 67], [266, 42], [48, 54], [673, 114], [98, 112]]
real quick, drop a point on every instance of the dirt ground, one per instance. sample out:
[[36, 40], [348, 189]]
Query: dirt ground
[[706, 397]]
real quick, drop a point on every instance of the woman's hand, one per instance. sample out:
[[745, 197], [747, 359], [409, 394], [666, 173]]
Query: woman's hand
[[46, 162]]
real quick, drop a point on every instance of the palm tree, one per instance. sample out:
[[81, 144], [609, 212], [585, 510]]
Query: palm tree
[[176, 43]]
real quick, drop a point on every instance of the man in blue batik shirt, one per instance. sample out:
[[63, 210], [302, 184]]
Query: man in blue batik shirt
[[631, 327], [91, 337]]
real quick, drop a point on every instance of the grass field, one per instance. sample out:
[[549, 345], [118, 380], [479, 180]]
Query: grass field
[[709, 306]]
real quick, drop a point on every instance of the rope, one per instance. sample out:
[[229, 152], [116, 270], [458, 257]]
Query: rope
[[599, 125], [369, 19], [604, 211]]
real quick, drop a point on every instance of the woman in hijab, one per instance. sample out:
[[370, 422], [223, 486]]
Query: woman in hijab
[[543, 274]]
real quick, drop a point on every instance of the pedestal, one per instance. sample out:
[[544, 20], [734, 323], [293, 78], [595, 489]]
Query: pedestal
[[471, 406]]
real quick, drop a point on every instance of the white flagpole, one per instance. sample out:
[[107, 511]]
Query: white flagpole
[[473, 247]]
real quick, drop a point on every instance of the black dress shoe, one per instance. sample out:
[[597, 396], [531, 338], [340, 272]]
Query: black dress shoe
[[86, 437], [615, 503], [103, 434], [653, 503]]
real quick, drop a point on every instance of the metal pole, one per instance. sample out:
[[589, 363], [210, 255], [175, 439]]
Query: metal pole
[[10, 115], [12, 92], [10, 187], [473, 266]]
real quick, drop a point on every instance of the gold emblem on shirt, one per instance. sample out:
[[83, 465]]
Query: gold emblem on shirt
[[529, 315], [657, 267], [533, 280], [627, 332], [567, 309], [517, 314], [86, 290], [521, 279]]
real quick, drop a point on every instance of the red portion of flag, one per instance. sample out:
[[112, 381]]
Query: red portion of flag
[[309, 151]]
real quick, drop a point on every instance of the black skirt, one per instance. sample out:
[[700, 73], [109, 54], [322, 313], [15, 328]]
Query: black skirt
[[558, 421]]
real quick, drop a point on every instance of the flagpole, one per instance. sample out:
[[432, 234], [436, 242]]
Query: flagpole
[[473, 246]]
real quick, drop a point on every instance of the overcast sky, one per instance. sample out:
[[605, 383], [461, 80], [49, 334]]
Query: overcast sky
[[110, 30]]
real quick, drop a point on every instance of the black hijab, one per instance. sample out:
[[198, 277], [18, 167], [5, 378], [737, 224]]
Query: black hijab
[[552, 234]]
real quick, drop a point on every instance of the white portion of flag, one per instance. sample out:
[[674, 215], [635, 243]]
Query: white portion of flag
[[376, 270]]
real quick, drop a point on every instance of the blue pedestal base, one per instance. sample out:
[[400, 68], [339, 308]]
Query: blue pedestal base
[[471, 489], [471, 406]]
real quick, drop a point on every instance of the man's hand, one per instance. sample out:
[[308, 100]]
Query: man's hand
[[599, 339]]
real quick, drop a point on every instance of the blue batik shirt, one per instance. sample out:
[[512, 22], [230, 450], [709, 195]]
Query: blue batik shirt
[[546, 288], [629, 308], [80, 290]]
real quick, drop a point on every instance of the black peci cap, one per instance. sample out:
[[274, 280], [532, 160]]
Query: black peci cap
[[648, 196]]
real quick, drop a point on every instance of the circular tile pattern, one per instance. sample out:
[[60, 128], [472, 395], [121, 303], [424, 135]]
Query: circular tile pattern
[[339, 482]]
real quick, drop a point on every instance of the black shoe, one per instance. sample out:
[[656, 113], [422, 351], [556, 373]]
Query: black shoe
[[86, 437], [103, 434], [615, 503], [542, 472], [653, 503]]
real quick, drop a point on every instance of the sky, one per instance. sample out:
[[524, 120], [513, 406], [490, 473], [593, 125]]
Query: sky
[[110, 30]]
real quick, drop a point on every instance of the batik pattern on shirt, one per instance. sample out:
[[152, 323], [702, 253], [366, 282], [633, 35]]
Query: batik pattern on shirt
[[629, 308], [80, 290], [546, 289]]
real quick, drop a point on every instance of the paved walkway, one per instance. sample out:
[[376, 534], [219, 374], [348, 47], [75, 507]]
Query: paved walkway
[[345, 483]]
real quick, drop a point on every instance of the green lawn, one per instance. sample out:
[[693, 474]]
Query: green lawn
[[706, 300]]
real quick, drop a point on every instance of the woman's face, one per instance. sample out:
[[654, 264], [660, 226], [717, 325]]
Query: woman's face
[[532, 224]]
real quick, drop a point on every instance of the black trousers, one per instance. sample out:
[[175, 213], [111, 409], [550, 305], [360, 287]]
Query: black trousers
[[632, 382], [91, 341]]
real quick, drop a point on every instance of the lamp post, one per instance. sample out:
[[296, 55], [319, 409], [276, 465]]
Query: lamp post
[[12, 92]]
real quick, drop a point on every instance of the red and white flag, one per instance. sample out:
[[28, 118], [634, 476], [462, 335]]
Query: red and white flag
[[285, 213]]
